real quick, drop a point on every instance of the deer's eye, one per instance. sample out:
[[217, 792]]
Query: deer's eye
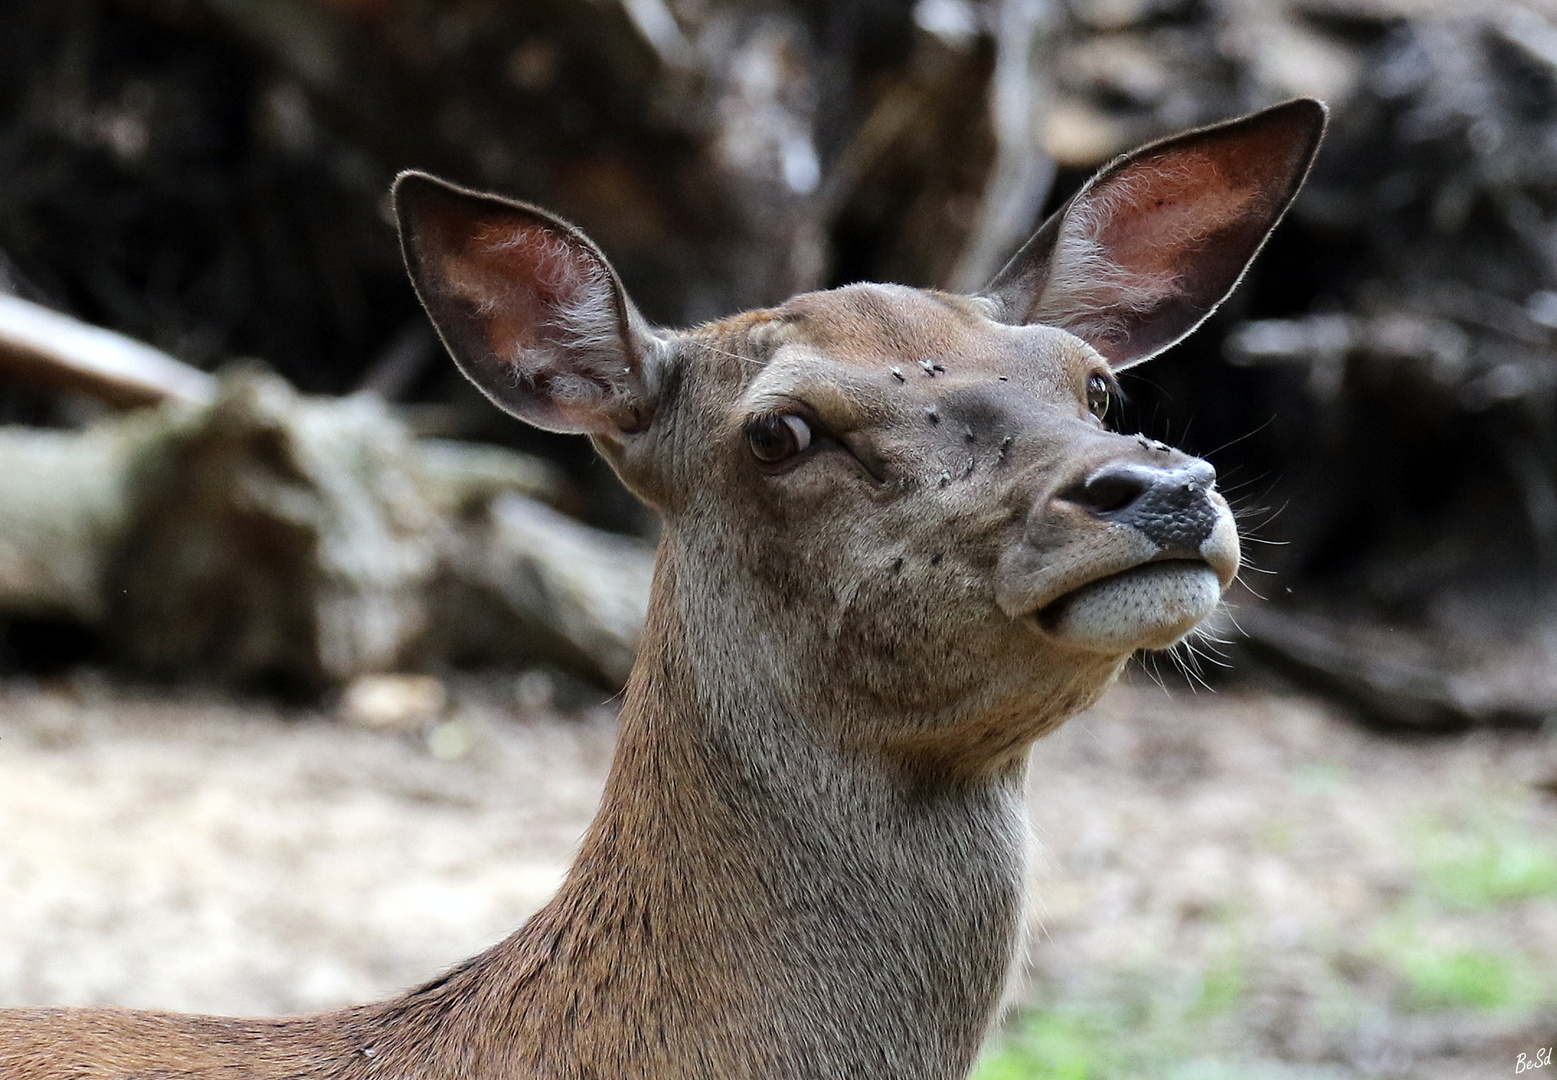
[[776, 436], [1099, 395]]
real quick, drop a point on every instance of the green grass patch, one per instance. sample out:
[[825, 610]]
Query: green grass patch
[[1318, 777], [1221, 988], [1149, 1028], [1436, 977], [1465, 978], [1470, 978], [1070, 1045], [1485, 868], [1466, 870]]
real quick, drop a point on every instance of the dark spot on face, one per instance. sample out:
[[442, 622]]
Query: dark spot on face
[[897, 564], [935, 560], [967, 433], [945, 479], [935, 417], [1004, 379], [897, 373], [1005, 446]]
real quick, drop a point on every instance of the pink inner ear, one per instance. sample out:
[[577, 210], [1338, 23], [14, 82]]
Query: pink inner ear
[[543, 306], [526, 284], [1158, 213], [1145, 253]]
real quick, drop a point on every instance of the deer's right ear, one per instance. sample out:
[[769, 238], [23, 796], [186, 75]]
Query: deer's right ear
[[529, 308]]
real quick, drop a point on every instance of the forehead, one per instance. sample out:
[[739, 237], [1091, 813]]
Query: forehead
[[877, 326]]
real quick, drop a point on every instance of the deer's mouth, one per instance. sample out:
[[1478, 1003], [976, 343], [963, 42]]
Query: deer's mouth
[[1149, 606]]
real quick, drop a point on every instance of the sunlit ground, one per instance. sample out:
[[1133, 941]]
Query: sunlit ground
[[1238, 886], [1258, 889]]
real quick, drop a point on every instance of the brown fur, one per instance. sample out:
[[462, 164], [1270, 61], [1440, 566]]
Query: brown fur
[[808, 860]]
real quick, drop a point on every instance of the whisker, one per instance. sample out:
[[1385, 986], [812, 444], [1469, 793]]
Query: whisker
[[1253, 591], [1148, 664], [1241, 438], [1227, 610], [1189, 664], [731, 355], [1209, 653], [1227, 487], [1205, 634]]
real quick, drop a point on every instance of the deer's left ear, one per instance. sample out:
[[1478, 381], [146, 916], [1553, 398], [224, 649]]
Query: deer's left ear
[[1153, 243], [530, 309]]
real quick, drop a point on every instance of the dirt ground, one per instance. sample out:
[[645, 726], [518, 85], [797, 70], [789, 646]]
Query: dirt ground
[[1242, 884]]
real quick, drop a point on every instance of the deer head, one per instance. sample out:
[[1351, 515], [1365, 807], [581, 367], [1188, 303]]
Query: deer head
[[896, 512]]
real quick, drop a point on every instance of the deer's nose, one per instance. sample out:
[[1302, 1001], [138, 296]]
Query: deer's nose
[[1170, 506]]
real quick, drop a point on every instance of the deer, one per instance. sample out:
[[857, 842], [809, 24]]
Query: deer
[[899, 544]]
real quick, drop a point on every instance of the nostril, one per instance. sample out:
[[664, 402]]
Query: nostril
[[1111, 489], [1109, 493]]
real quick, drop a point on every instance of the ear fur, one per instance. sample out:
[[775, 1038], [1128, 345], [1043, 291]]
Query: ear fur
[[529, 308], [1144, 252]]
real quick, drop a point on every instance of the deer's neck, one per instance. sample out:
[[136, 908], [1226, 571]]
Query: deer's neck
[[752, 902]]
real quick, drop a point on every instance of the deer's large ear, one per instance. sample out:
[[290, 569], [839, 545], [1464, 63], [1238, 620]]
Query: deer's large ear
[[1153, 243], [529, 308]]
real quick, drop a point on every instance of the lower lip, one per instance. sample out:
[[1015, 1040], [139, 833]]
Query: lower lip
[[1148, 606]]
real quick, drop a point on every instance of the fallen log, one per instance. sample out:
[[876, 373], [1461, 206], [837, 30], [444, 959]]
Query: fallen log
[[64, 502], [48, 348], [1409, 678], [269, 537], [523, 572]]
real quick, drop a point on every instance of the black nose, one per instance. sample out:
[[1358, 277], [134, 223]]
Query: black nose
[[1170, 506]]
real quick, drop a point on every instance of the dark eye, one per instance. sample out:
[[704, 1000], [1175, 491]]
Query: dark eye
[[1099, 396], [777, 436]]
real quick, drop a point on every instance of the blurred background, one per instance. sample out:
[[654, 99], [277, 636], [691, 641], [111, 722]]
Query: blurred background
[[306, 652]]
